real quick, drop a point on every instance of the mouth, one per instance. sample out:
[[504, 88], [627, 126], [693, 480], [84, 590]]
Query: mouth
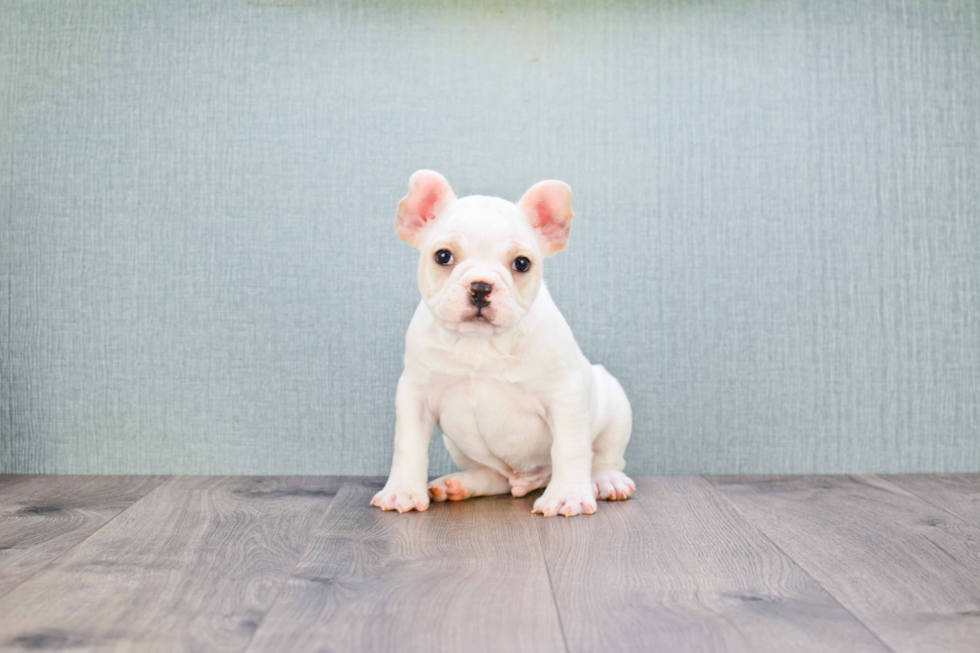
[[478, 318]]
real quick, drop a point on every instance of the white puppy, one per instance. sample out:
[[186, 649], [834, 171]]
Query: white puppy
[[490, 359]]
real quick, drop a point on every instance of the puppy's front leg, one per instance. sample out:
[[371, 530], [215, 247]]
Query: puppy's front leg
[[570, 490], [406, 487]]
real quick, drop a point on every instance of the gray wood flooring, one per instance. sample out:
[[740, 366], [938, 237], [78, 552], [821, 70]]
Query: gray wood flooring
[[792, 563]]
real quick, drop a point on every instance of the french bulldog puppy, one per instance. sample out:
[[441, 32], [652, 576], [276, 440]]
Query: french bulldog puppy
[[491, 360]]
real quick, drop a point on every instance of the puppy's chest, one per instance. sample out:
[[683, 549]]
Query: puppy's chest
[[498, 418]]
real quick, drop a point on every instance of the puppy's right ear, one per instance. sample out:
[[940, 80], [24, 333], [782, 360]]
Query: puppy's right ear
[[428, 194]]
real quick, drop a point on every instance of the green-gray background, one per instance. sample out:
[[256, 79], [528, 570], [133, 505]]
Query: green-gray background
[[776, 248]]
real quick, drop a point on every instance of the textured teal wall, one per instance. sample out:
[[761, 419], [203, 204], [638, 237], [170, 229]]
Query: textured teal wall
[[776, 248]]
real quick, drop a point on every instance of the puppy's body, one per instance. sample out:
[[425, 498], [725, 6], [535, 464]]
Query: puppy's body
[[492, 395], [490, 358]]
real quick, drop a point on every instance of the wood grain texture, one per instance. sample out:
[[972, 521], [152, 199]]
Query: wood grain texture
[[906, 569], [677, 569], [958, 494], [465, 576], [191, 567], [42, 517]]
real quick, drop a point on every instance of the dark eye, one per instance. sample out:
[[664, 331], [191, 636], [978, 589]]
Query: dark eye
[[522, 264], [444, 257]]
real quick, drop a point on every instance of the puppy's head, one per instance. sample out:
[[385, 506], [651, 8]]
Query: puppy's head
[[481, 257]]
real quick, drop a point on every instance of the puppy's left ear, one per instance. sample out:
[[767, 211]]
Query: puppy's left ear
[[428, 194], [548, 205]]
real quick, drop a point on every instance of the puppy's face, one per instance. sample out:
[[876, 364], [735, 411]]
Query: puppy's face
[[480, 265], [481, 258]]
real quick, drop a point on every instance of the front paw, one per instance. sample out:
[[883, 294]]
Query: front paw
[[401, 498], [566, 501]]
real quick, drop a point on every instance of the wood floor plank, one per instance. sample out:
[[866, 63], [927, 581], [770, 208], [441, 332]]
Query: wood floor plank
[[192, 567], [909, 571], [462, 576], [42, 517], [675, 568], [958, 494]]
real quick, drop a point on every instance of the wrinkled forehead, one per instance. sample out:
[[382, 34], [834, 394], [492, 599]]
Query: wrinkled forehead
[[484, 222]]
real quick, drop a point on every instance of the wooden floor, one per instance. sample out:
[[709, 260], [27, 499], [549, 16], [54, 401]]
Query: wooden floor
[[805, 563]]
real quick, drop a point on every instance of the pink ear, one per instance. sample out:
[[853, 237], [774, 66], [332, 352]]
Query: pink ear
[[548, 204], [428, 194]]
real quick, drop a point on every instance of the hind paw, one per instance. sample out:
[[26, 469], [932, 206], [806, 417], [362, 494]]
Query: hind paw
[[448, 487], [611, 485]]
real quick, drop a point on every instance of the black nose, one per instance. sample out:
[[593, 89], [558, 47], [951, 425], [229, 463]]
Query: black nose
[[478, 293]]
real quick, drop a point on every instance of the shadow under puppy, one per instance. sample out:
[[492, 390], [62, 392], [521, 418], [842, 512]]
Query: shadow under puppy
[[490, 358]]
